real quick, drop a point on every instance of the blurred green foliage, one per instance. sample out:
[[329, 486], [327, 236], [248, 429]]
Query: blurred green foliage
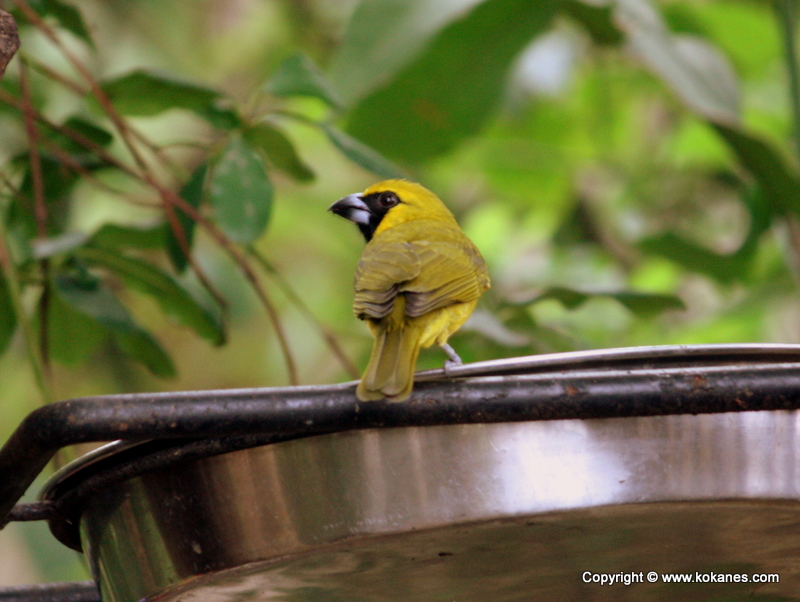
[[628, 168]]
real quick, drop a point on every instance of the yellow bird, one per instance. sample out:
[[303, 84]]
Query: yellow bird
[[417, 282]]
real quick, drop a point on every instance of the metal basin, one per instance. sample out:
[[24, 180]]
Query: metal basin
[[503, 511]]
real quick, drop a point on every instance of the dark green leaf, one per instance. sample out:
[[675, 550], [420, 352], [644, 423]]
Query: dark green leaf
[[370, 55], [67, 16], [145, 93], [241, 192], [298, 76], [58, 185], [86, 129], [642, 304], [279, 150], [8, 317], [120, 237], [450, 90], [141, 346], [361, 154], [172, 297], [647, 305], [192, 193], [780, 186], [88, 297], [73, 335], [696, 258], [221, 117], [723, 268], [597, 19], [569, 298]]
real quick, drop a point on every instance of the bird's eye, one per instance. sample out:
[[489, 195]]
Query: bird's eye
[[388, 199]]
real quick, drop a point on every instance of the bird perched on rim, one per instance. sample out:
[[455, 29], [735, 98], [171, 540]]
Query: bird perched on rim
[[417, 282]]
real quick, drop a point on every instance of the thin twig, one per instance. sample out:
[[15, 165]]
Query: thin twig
[[327, 334], [169, 197], [40, 215], [51, 73]]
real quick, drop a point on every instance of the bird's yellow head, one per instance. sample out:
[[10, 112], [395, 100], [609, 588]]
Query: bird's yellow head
[[391, 203]]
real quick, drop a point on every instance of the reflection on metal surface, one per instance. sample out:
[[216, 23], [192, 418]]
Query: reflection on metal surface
[[503, 511]]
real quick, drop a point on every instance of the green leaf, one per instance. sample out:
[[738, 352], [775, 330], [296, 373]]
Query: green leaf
[[58, 185], [72, 335], [222, 117], [644, 305], [241, 192], [87, 296], [298, 76], [192, 193], [696, 70], [8, 317], [452, 88], [67, 16], [780, 186], [361, 154], [144, 93], [172, 297], [696, 258], [86, 129], [647, 305], [119, 236], [279, 150], [597, 19], [370, 55]]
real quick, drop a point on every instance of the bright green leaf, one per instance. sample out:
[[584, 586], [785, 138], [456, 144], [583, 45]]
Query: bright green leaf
[[192, 193], [241, 192], [695, 69], [298, 76], [361, 154], [145, 93], [449, 91], [87, 296], [171, 296], [279, 150], [8, 317]]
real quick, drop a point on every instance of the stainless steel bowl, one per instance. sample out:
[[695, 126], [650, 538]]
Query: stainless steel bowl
[[505, 511]]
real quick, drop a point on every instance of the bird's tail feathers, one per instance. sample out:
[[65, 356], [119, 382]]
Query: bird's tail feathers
[[390, 372]]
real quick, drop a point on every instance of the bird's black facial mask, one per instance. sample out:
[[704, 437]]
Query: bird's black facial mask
[[366, 211]]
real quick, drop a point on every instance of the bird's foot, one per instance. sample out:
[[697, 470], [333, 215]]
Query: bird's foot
[[452, 361]]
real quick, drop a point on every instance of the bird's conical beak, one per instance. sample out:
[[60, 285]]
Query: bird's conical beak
[[352, 207]]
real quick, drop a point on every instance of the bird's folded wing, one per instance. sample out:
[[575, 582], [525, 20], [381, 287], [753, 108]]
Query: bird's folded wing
[[431, 274]]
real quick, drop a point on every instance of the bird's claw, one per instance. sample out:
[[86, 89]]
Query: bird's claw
[[452, 361]]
